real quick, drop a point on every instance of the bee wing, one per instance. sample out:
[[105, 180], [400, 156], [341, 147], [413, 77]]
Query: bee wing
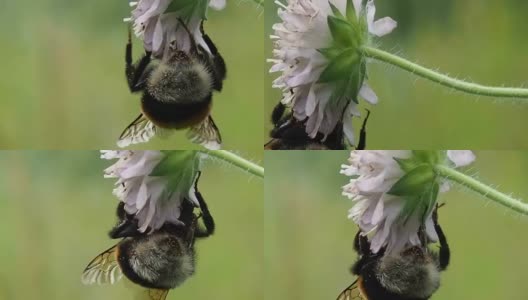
[[141, 130], [353, 292], [206, 134], [273, 144], [152, 294], [103, 269], [164, 133], [158, 294]]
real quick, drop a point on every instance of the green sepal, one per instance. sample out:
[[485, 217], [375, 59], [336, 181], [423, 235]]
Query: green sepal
[[340, 67], [355, 82], [330, 53], [430, 199], [343, 33], [187, 8], [337, 94], [336, 11], [180, 168], [179, 4], [420, 204], [347, 88], [407, 164], [351, 12], [427, 156], [413, 182], [173, 161]]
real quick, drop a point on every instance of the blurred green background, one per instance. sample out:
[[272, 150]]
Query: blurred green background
[[308, 238], [478, 40], [62, 83], [57, 208]]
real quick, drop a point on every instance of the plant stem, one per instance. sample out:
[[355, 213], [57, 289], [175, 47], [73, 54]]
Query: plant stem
[[460, 85], [259, 2], [482, 189], [237, 161]]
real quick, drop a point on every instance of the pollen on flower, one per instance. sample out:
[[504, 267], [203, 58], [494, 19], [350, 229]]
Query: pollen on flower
[[317, 49]]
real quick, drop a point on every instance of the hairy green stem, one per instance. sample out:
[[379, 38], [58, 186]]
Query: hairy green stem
[[482, 189], [237, 161], [460, 85]]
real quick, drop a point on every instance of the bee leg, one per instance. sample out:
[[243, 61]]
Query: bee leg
[[356, 242], [362, 143], [206, 218], [126, 225], [208, 41], [220, 69], [278, 112], [334, 140], [135, 72], [126, 228], [120, 211], [364, 245], [445, 253], [206, 215]]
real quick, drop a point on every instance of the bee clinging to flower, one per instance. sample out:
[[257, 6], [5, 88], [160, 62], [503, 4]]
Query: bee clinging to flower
[[290, 134], [177, 91], [158, 261], [412, 274]]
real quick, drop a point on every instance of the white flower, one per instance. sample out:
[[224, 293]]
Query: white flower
[[160, 28], [304, 30], [152, 199], [461, 158], [375, 211]]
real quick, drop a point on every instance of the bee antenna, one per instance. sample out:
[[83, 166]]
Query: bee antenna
[[194, 48], [129, 33], [202, 27], [277, 113]]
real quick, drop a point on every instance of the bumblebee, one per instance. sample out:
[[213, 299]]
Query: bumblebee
[[159, 261], [290, 134], [176, 92], [413, 274]]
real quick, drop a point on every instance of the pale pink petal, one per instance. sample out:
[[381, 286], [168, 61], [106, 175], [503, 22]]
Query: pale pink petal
[[383, 26], [368, 94], [371, 12], [461, 158], [217, 4]]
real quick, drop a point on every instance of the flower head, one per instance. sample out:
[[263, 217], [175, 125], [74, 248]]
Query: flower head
[[318, 50], [153, 184], [156, 22], [395, 192]]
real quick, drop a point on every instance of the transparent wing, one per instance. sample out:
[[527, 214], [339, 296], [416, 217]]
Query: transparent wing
[[206, 134], [353, 292], [158, 294], [164, 133], [103, 269], [141, 130], [152, 294]]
